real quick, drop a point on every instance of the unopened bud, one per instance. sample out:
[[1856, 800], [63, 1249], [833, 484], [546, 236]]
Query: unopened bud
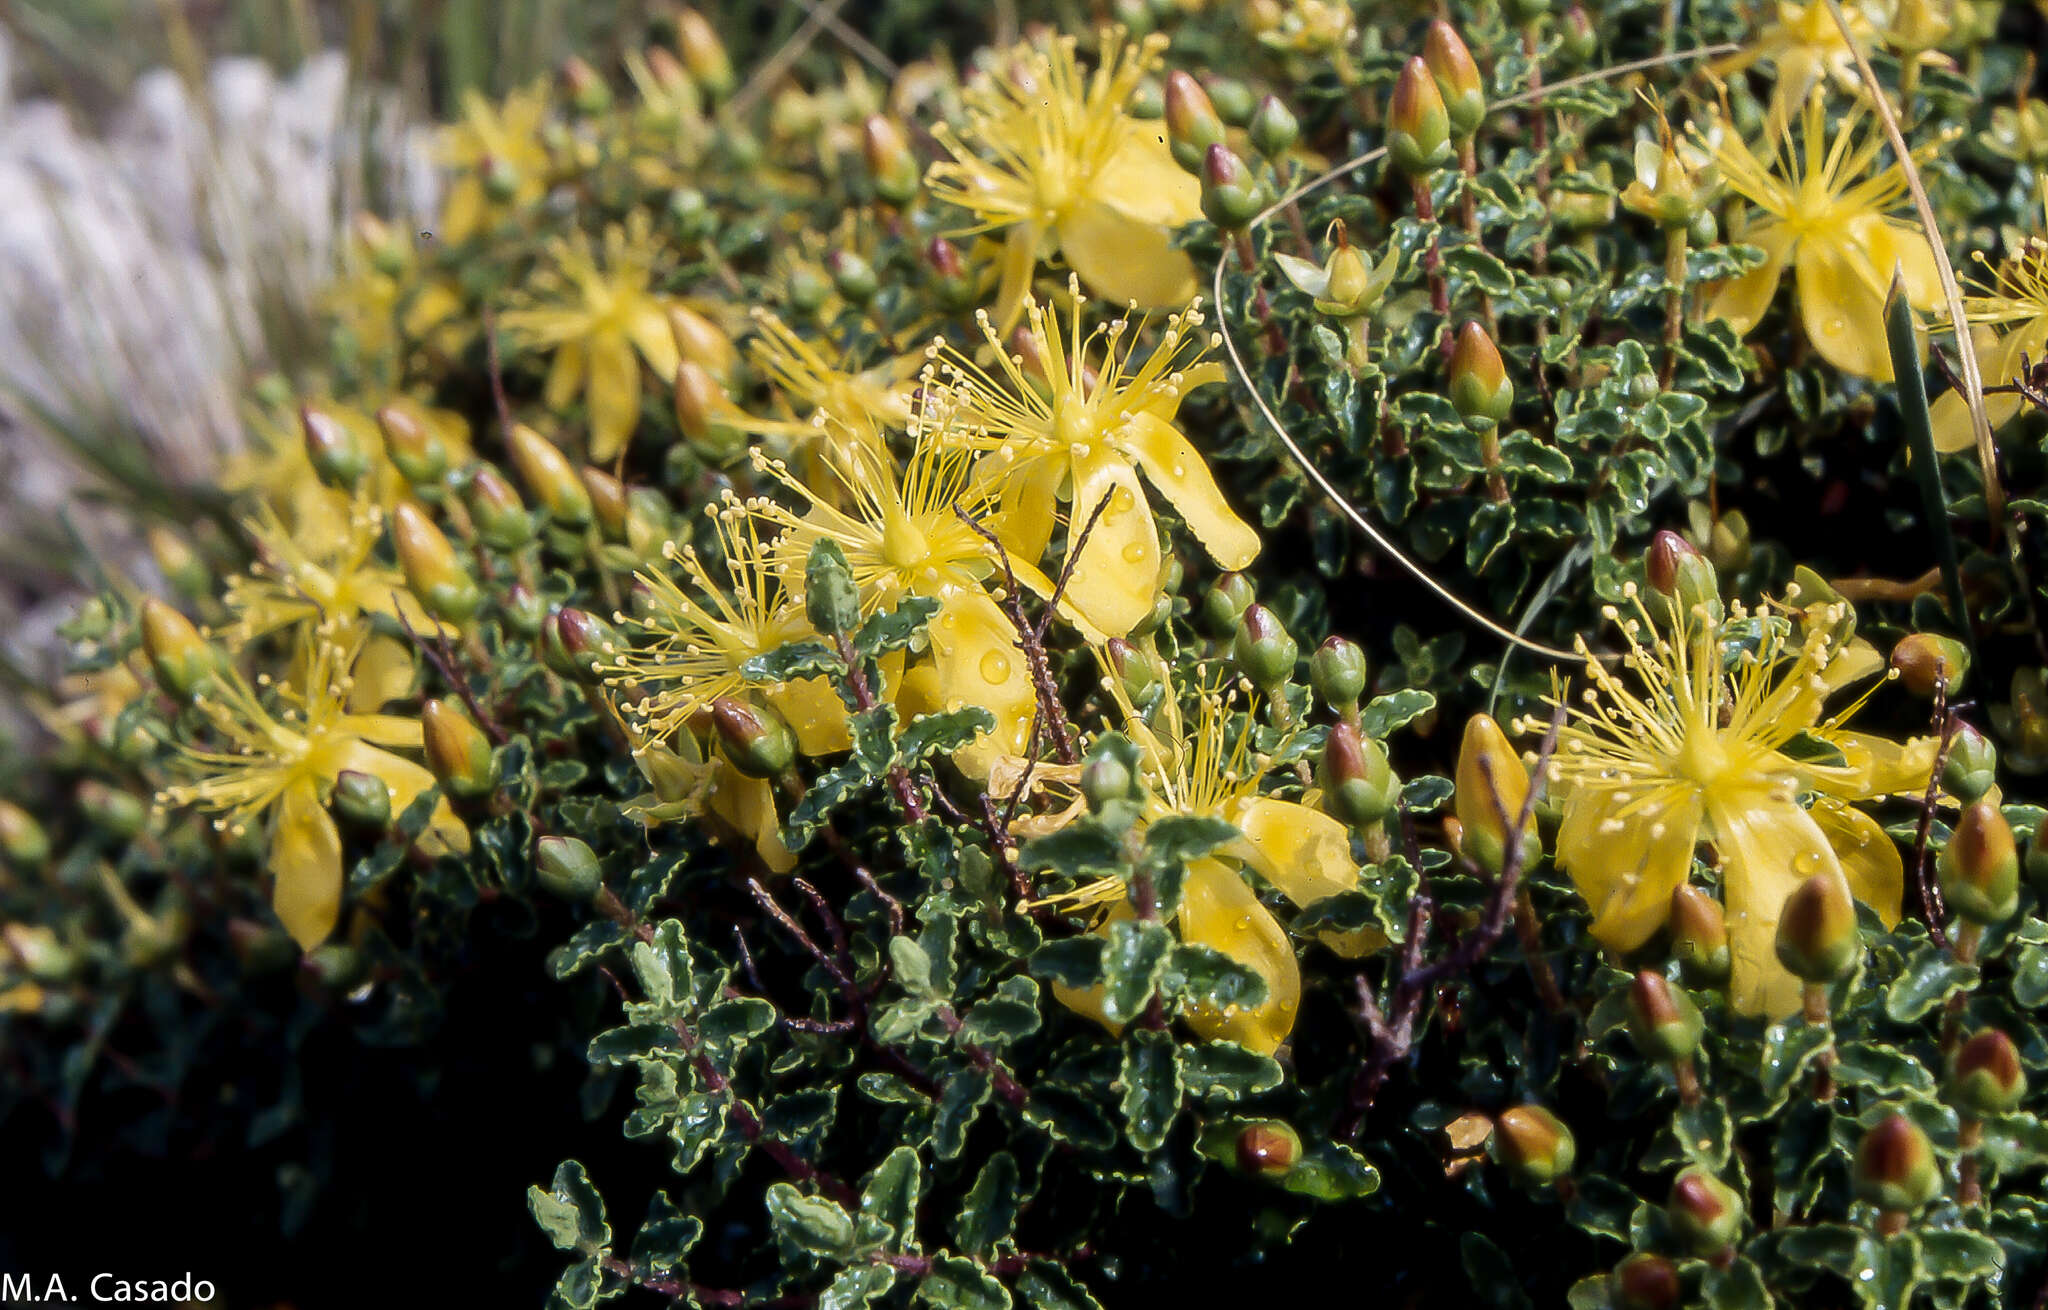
[[1971, 768], [495, 508], [1359, 786], [1534, 1145], [1704, 1212], [1987, 1081], [702, 342], [1263, 650], [361, 800], [1456, 76], [1418, 125], [41, 955], [501, 179], [1105, 778], [432, 571], [1234, 100], [1980, 866], [335, 966], [457, 751], [1675, 568], [1480, 387], [831, 597], [1273, 129], [1231, 196], [1662, 1020], [1338, 672], [1699, 936], [1579, 40], [568, 868], [338, 455], [415, 449], [184, 663], [703, 413], [1225, 603], [110, 811], [1645, 1281], [575, 644], [952, 284], [1895, 1168], [704, 54], [852, 276], [179, 563], [1267, 1149], [1818, 940], [1136, 669], [550, 476], [609, 504], [1524, 12], [691, 215], [892, 165], [1927, 663], [587, 91], [755, 738], [524, 610], [1492, 792], [23, 843]]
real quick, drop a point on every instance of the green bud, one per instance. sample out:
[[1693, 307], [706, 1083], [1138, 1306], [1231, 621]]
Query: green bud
[[1524, 12], [1704, 230], [550, 476], [1699, 936], [1927, 662], [610, 504], [495, 508], [336, 966], [1263, 651], [1818, 940], [419, 454], [1479, 383], [432, 571], [587, 91], [1704, 1212], [1235, 102], [1987, 1081], [1338, 672], [808, 289], [1359, 786], [1106, 780], [575, 644], [1980, 866], [1418, 125], [892, 165], [184, 663], [501, 180], [1662, 1020], [110, 811], [1231, 196], [1273, 129], [1534, 1145], [952, 284], [831, 597], [1971, 768], [704, 54], [755, 738], [1267, 1149], [1728, 545], [853, 276], [1895, 1168], [41, 955], [23, 843], [1579, 40], [690, 215], [1675, 568], [337, 454], [1456, 76], [1225, 603], [705, 413], [1645, 1281], [458, 752], [524, 610], [179, 563], [567, 868], [1137, 670], [362, 800], [1192, 124]]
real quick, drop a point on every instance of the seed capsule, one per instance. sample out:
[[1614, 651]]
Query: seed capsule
[[892, 165], [494, 506], [415, 449], [1273, 129]]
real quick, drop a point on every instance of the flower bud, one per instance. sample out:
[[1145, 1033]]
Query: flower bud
[[608, 502], [1359, 786], [550, 476], [1971, 768], [1524, 12], [179, 563], [1225, 603], [338, 456], [691, 215], [1231, 196], [495, 508], [852, 276], [568, 868], [1926, 662], [113, 813], [335, 966], [40, 954], [831, 597], [1534, 1145], [1987, 1081], [704, 54], [575, 644], [808, 289], [524, 610], [1492, 791], [361, 800], [432, 571], [418, 453], [457, 751], [702, 342], [1263, 650], [1579, 40], [1136, 669], [500, 179], [1456, 76], [1106, 780], [1675, 568], [1338, 672], [1645, 1281], [1418, 125], [23, 843], [754, 737], [1704, 1212], [1480, 387], [1662, 1020], [952, 284], [1817, 936], [1980, 866], [892, 165], [1699, 936], [185, 664], [703, 410], [587, 92], [1895, 1168], [1273, 129], [1267, 1149], [1234, 101]]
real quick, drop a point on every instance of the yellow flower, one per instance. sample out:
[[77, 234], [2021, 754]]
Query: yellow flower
[[325, 581], [701, 633], [1804, 46], [277, 469], [1827, 214], [1078, 430], [691, 782], [2010, 316], [1209, 769], [1719, 737], [1057, 162], [865, 400], [594, 318], [500, 158], [383, 305], [280, 767]]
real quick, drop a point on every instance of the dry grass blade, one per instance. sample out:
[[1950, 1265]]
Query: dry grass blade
[[1951, 291]]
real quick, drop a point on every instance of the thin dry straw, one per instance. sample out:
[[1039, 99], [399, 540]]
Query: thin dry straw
[[1300, 456]]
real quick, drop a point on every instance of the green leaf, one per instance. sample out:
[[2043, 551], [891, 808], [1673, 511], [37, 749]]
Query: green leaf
[[701, 1119], [810, 1223], [571, 1212], [911, 965], [1179, 838], [793, 661], [1226, 1071], [957, 1283], [942, 733], [1885, 1070], [666, 1236], [1132, 967], [1071, 961], [1383, 715], [1491, 1275], [989, 1211], [591, 943], [579, 1286], [635, 1041], [1837, 1248], [1789, 1050], [1959, 1255], [2030, 977], [1738, 1287], [895, 629], [740, 1019], [959, 1101], [856, 1286], [663, 966], [1930, 977], [874, 738], [1151, 1087], [1203, 975], [888, 1204], [1332, 1172], [1078, 851], [1048, 1286], [998, 1021]]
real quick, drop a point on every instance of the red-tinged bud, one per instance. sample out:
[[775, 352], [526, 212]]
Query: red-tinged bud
[[1273, 129], [1662, 1020], [577, 645], [110, 811], [1895, 1168], [1971, 768], [1456, 76], [1927, 662], [500, 178], [1492, 791], [1704, 1212], [1818, 940], [1418, 124], [524, 610], [185, 664], [1534, 1145], [433, 573], [1231, 196], [1136, 669], [704, 54], [418, 452], [952, 284], [703, 410], [609, 502], [1987, 1081], [568, 868], [337, 454], [702, 342], [1263, 650], [1645, 1281], [457, 751], [1699, 936], [892, 165], [1359, 786], [495, 508], [1225, 603], [587, 91], [549, 475], [1479, 383], [1267, 1149], [755, 738], [1980, 866], [23, 843], [1579, 39], [1338, 673], [1192, 125]]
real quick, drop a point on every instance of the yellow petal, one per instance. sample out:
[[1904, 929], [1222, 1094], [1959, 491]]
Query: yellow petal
[[816, 715], [1879, 766], [1218, 911], [975, 656], [1768, 847], [382, 673], [1893, 244], [565, 376], [1999, 361], [1088, 1001], [1743, 301], [1144, 184], [1172, 464], [613, 395], [464, 209], [1019, 262], [748, 805], [1028, 508], [1627, 860], [1116, 578], [1870, 859], [1304, 853], [1842, 308], [1125, 260], [305, 860], [656, 341]]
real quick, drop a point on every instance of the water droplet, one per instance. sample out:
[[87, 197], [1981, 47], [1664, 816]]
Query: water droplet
[[995, 666], [1244, 921], [1806, 862], [1134, 552]]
